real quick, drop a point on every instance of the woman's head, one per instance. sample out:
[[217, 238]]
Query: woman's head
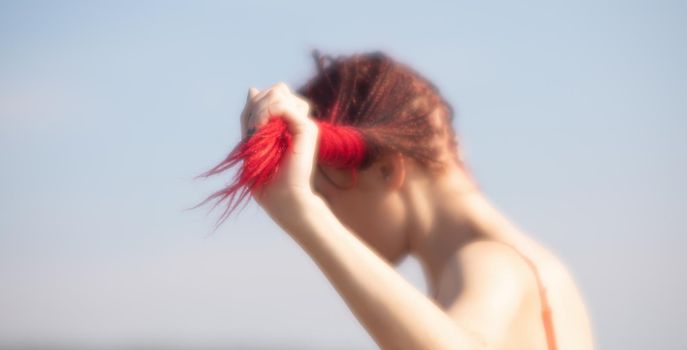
[[404, 122], [389, 103], [383, 127]]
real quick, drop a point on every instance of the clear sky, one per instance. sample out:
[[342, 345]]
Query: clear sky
[[572, 115]]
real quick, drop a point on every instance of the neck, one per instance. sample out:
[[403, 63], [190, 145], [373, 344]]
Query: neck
[[448, 212]]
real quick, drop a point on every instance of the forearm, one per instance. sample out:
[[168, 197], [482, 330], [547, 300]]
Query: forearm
[[395, 313]]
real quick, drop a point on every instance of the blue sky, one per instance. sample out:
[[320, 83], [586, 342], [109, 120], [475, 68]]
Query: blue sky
[[572, 116]]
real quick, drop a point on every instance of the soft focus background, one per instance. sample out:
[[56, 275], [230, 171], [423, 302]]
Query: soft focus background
[[573, 118]]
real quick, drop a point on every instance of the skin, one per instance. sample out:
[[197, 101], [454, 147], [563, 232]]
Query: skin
[[483, 294]]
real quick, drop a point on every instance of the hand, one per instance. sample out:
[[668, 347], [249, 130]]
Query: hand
[[292, 185]]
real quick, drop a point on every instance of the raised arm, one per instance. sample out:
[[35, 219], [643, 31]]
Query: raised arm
[[395, 313]]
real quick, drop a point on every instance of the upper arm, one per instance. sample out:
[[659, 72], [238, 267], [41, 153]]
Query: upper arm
[[482, 288]]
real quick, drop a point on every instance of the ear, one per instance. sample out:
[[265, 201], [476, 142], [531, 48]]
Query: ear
[[393, 170]]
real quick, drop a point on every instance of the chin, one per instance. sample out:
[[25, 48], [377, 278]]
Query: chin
[[394, 259]]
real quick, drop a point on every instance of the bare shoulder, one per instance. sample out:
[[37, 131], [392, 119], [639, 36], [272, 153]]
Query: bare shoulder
[[482, 260], [488, 250], [489, 259], [483, 287]]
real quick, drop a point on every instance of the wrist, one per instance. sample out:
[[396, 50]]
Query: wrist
[[293, 211], [312, 211], [312, 208]]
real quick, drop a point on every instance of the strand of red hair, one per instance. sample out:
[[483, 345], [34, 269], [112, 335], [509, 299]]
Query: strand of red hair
[[260, 155]]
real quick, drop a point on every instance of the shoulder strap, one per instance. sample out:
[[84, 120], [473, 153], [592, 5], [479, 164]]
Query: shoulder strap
[[546, 308]]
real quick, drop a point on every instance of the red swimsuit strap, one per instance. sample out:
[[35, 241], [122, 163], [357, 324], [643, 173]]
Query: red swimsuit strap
[[546, 308]]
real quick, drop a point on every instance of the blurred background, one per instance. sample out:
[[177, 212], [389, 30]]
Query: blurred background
[[572, 117]]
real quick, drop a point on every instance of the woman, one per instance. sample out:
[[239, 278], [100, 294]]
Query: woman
[[392, 182]]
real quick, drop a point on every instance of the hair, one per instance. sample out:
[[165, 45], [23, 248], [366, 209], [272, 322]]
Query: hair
[[365, 105]]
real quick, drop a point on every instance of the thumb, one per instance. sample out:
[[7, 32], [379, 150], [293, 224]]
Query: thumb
[[252, 92]]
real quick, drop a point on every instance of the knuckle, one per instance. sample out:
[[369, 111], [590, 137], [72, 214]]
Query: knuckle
[[276, 106], [301, 103], [275, 109]]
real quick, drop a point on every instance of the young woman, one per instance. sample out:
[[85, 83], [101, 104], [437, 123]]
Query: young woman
[[373, 172]]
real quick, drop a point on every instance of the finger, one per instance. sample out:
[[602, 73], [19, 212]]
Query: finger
[[247, 110], [282, 86], [265, 111], [268, 97], [252, 92], [278, 90], [296, 111], [271, 108], [298, 122], [261, 95]]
